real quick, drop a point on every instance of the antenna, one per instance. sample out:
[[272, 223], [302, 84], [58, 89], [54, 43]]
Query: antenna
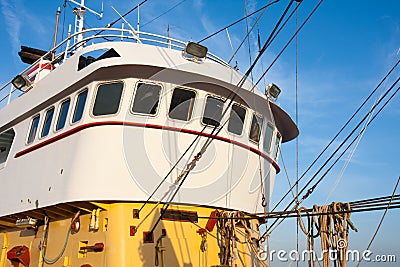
[[79, 17], [129, 25]]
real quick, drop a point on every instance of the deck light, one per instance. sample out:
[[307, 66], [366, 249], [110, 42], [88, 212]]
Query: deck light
[[21, 81], [196, 50], [26, 223], [272, 91]]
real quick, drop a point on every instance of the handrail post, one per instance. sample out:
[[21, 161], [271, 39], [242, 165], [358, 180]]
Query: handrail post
[[10, 94], [67, 45]]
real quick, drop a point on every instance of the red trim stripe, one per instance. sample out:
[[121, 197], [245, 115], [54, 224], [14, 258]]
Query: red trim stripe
[[143, 125]]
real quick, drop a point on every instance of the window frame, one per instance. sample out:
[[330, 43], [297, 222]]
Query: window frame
[[4, 163], [30, 129], [93, 101], [271, 139], [134, 95], [59, 113], [44, 122], [276, 148], [261, 128], [194, 103], [72, 115], [204, 109], [244, 121]]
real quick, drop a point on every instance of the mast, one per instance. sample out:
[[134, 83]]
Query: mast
[[80, 12], [79, 20], [56, 31]]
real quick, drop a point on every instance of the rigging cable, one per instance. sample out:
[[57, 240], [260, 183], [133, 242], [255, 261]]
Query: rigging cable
[[109, 25], [233, 95], [162, 14], [215, 130], [297, 123], [290, 40], [339, 132], [248, 39], [311, 190], [380, 222], [354, 149], [239, 20]]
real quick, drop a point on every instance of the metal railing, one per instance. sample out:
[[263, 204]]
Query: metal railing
[[64, 50]]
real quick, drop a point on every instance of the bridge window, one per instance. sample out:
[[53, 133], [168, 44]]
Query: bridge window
[[147, 98], [79, 106], [182, 103], [108, 98], [95, 55], [255, 129], [47, 122], [213, 111], [277, 145], [33, 129], [6, 140], [236, 119], [269, 131], [63, 113]]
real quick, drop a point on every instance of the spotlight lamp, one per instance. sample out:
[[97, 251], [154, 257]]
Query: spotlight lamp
[[272, 91], [194, 51], [21, 82]]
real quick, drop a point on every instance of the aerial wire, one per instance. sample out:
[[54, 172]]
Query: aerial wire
[[216, 130], [312, 188], [248, 39], [380, 222], [287, 44], [239, 20], [165, 12], [233, 95], [340, 131], [339, 178], [297, 124]]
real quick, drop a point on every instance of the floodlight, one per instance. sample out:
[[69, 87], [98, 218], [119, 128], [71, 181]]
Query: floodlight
[[273, 91], [196, 50], [20, 81]]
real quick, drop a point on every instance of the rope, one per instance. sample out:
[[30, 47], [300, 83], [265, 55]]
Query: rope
[[227, 237], [332, 226]]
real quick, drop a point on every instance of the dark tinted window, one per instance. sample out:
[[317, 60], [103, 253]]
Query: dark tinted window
[[108, 98], [96, 55], [62, 117], [182, 104], [6, 140], [213, 111], [255, 129], [277, 145], [269, 131], [236, 119], [80, 106], [47, 122], [33, 129], [146, 98]]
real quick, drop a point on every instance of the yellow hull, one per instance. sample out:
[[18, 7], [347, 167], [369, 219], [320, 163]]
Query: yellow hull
[[117, 228]]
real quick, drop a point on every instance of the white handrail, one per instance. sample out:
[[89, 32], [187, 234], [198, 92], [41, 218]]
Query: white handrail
[[102, 34]]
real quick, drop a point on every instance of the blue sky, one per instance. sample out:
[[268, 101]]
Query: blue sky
[[344, 51]]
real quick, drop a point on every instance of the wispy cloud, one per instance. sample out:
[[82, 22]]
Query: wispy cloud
[[13, 23]]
